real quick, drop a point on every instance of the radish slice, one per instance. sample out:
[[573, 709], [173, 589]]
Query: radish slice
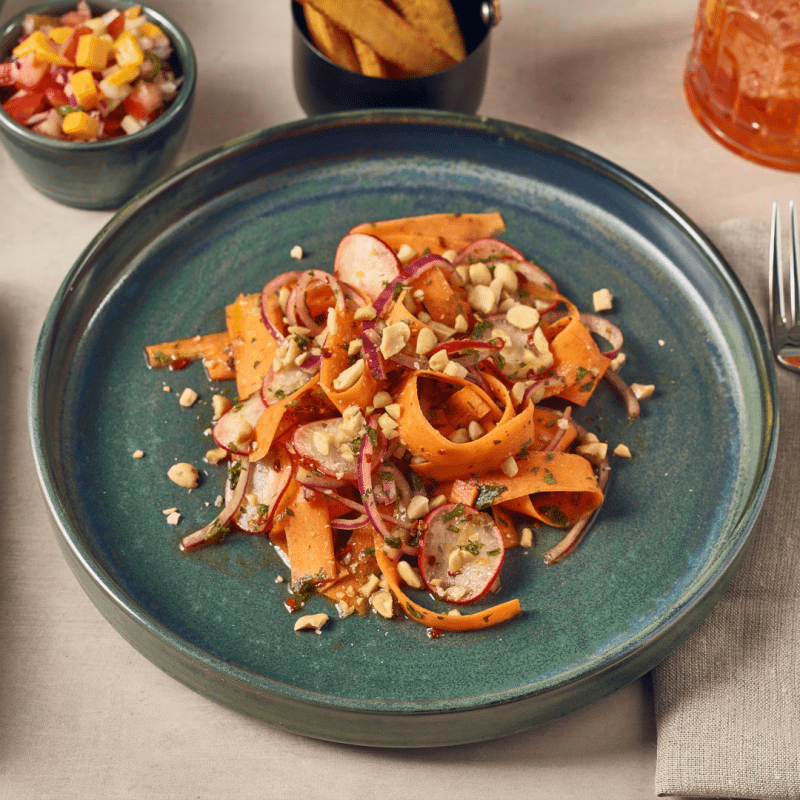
[[221, 524], [314, 444], [488, 249], [460, 553], [317, 446], [265, 484], [277, 385], [235, 428], [366, 263]]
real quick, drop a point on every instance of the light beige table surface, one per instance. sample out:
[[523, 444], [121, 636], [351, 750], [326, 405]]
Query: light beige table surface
[[84, 715]]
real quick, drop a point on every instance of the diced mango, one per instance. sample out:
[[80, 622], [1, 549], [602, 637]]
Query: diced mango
[[92, 52], [133, 12], [151, 30], [86, 91], [123, 75], [38, 44], [80, 125], [127, 49], [61, 34]]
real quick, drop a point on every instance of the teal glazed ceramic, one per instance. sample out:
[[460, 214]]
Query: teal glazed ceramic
[[102, 175], [661, 551], [323, 87]]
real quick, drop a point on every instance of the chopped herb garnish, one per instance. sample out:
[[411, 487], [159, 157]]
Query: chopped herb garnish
[[556, 516], [548, 477], [487, 494], [395, 542], [453, 513], [480, 328], [235, 473]]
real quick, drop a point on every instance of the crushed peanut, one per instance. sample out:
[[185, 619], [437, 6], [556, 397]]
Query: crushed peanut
[[409, 575], [220, 404], [602, 300], [188, 397], [216, 455], [383, 602], [349, 377], [184, 475], [315, 622]]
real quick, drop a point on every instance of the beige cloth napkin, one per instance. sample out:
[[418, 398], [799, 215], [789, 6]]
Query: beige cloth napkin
[[727, 702]]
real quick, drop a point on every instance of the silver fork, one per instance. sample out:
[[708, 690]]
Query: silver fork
[[785, 330]]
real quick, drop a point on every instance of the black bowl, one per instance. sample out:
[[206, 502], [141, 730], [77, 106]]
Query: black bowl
[[323, 87]]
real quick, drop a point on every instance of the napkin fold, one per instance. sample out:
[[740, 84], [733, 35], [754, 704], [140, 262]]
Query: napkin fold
[[727, 701]]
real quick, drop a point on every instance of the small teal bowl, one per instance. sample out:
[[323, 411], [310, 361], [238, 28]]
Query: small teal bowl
[[106, 174]]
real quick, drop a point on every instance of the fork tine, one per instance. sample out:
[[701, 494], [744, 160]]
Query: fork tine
[[777, 316], [794, 278]]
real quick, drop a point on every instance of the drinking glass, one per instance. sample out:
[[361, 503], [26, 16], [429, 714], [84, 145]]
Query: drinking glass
[[742, 77]]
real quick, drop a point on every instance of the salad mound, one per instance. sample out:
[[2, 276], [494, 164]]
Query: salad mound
[[405, 420]]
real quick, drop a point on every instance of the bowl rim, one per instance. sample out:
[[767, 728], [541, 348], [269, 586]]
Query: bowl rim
[[180, 43]]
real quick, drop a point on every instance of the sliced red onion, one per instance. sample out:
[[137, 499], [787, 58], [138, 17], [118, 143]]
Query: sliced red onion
[[221, 524], [578, 530], [273, 287], [349, 524], [594, 323], [298, 301], [365, 488], [559, 434], [632, 407], [370, 346], [532, 391]]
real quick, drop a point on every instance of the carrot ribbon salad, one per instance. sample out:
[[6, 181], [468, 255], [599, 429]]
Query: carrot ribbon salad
[[400, 418]]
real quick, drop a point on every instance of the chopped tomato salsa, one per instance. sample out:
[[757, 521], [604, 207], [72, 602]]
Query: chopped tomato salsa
[[87, 78]]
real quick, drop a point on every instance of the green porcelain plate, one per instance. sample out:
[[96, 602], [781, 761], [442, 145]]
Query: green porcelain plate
[[659, 555]]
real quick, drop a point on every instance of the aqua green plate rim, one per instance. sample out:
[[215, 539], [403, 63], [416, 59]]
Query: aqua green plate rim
[[331, 715]]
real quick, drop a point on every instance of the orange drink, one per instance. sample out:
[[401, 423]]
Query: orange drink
[[742, 77]]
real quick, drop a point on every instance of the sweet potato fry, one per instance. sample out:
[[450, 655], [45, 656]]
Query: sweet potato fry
[[369, 62], [330, 40], [438, 20], [387, 32]]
